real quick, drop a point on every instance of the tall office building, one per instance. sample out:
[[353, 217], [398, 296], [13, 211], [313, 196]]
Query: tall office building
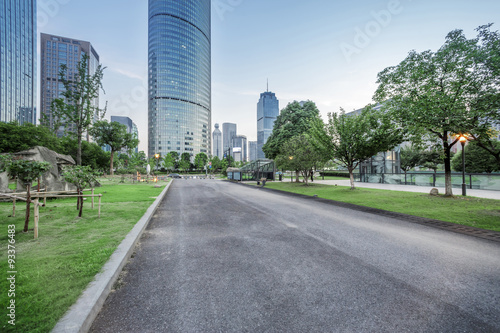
[[131, 126], [252, 150], [18, 61], [57, 51], [179, 110], [228, 135], [217, 142], [267, 112], [240, 141]]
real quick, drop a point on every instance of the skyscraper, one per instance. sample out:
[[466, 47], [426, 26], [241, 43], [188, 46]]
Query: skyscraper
[[18, 61], [57, 51], [179, 110], [267, 112], [217, 142], [240, 141], [228, 135], [252, 150]]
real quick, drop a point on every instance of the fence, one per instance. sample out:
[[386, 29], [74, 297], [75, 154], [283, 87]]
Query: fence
[[479, 181]]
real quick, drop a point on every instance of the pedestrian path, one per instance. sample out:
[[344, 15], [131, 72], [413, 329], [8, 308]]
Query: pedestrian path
[[412, 188]]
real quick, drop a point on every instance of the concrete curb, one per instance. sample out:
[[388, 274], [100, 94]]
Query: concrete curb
[[81, 315]]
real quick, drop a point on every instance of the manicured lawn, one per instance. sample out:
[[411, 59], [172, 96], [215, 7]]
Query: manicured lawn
[[476, 212], [53, 270]]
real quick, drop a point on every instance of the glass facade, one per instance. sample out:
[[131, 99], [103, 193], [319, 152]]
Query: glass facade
[[267, 112], [240, 141], [18, 61], [56, 51], [228, 135], [179, 70]]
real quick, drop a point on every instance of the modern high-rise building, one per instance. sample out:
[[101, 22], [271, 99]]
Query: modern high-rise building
[[18, 61], [217, 142], [179, 71], [131, 126], [57, 51], [252, 150], [240, 141], [228, 135], [267, 112]]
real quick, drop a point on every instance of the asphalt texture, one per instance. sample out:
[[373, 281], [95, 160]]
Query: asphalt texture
[[219, 257]]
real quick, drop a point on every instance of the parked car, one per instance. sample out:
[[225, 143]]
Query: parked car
[[174, 175]]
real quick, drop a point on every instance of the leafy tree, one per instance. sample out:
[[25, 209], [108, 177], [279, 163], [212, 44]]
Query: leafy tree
[[138, 159], [353, 138], [184, 165], [410, 157], [92, 154], [186, 157], [477, 160], [80, 176], [27, 172], [169, 162], [443, 93], [300, 154], [431, 159], [200, 160], [77, 108], [216, 163], [115, 135], [15, 137]]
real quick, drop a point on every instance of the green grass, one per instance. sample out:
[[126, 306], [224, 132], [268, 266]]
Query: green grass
[[53, 270], [470, 211]]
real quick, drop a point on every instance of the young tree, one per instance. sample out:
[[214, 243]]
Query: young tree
[[80, 176], [301, 155], [410, 157], [27, 172], [115, 135], [353, 138], [77, 108], [200, 160], [477, 160], [453, 90]]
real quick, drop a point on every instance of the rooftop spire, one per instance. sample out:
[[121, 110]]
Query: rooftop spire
[[268, 85]]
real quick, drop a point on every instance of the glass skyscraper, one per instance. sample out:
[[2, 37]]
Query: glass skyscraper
[[267, 112], [18, 61], [179, 115]]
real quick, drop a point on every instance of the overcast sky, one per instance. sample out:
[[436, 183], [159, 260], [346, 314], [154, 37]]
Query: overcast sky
[[321, 50]]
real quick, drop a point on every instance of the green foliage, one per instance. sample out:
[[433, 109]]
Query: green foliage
[[200, 160], [216, 163], [186, 157], [138, 160], [292, 120], [353, 138], [15, 137], [477, 160], [328, 173], [450, 91], [169, 162], [5, 161], [431, 158], [92, 154], [77, 109], [27, 171], [80, 176]]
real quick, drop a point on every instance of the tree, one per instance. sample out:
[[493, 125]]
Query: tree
[[77, 108], [92, 154], [448, 92], [15, 137], [216, 163], [27, 172], [200, 160], [300, 154], [115, 136], [353, 138], [431, 158], [169, 162], [138, 159], [410, 157], [80, 176], [477, 160]]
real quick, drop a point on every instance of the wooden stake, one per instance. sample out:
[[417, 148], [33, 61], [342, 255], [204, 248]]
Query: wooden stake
[[36, 216], [92, 198], [100, 195], [45, 197], [14, 207]]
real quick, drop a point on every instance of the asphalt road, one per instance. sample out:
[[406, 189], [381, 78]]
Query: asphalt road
[[221, 257]]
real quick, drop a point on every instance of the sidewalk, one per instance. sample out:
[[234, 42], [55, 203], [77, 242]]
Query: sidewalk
[[411, 188]]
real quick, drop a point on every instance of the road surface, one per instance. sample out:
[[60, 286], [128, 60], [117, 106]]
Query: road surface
[[221, 257]]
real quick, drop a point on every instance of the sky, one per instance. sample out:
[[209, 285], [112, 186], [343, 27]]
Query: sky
[[325, 51]]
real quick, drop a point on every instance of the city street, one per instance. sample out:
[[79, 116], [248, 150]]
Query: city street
[[221, 257]]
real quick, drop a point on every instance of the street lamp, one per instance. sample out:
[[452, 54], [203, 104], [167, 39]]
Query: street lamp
[[157, 156], [291, 173], [463, 140]]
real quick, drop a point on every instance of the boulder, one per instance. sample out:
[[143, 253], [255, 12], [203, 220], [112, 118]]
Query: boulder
[[434, 191]]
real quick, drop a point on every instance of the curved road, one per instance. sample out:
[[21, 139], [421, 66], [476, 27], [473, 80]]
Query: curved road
[[220, 257]]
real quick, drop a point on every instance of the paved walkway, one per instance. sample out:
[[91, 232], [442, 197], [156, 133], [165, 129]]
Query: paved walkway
[[411, 188]]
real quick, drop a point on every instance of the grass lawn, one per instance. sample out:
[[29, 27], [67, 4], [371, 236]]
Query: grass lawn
[[476, 212], [53, 270]]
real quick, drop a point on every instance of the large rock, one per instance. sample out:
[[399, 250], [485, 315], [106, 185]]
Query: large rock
[[52, 178], [4, 183]]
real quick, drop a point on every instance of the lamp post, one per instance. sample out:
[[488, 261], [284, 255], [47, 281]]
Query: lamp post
[[291, 173], [463, 139], [157, 157]]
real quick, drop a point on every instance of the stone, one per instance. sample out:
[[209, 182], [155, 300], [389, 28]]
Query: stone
[[434, 191]]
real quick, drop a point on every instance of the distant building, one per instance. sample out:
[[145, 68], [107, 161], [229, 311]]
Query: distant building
[[267, 112], [252, 150], [217, 142], [57, 51], [18, 61], [131, 127], [240, 141], [228, 135]]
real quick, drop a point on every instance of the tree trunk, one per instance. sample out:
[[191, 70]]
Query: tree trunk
[[81, 203], [306, 177], [28, 202], [297, 177], [351, 177], [79, 150], [447, 171], [111, 162]]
